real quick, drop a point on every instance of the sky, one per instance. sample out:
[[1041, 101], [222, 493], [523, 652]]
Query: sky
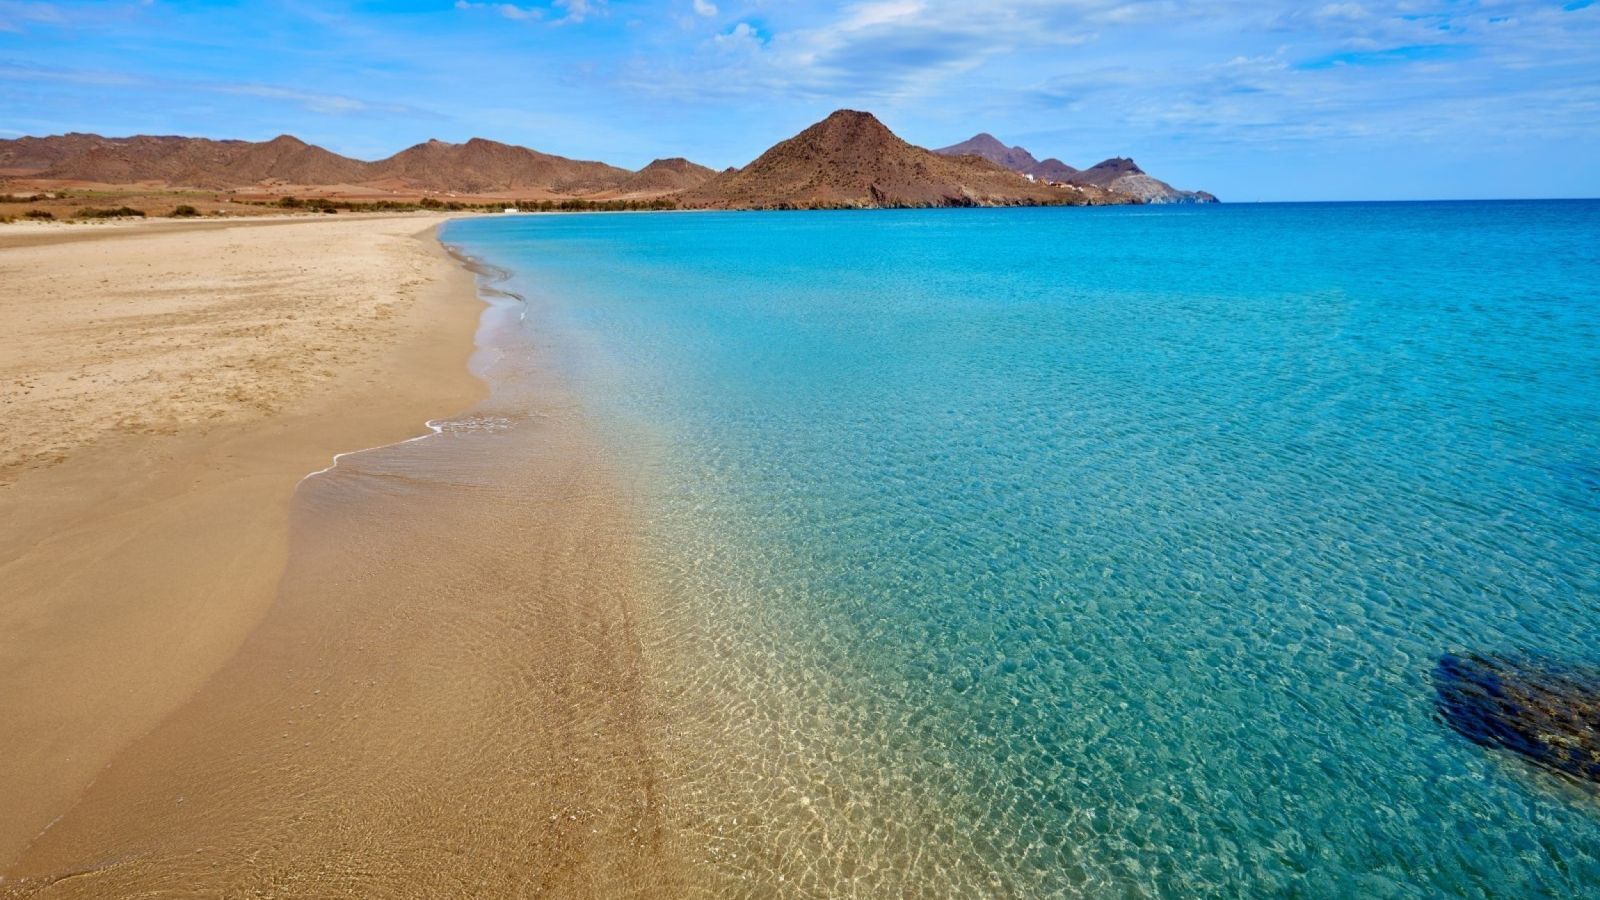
[[1264, 100]]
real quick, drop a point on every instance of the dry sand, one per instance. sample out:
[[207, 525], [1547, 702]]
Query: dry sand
[[419, 675], [163, 388]]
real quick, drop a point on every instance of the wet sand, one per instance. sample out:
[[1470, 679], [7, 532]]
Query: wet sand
[[166, 385], [443, 693]]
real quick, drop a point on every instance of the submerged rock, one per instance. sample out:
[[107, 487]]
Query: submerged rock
[[1548, 713]]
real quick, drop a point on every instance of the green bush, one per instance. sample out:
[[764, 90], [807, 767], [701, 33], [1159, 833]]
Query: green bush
[[40, 214], [291, 202], [184, 211], [90, 212]]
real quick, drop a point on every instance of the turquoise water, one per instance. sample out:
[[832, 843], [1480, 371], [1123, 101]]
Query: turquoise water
[[1106, 552]]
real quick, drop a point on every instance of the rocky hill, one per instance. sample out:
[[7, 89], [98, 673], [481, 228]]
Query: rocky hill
[[482, 166], [1124, 176], [989, 147], [665, 176], [1118, 174], [476, 167], [177, 161], [850, 159], [1052, 169]]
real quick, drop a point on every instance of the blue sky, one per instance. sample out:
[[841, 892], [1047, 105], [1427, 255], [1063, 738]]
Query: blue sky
[[1264, 100]]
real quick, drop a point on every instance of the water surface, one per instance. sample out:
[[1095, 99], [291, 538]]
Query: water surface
[[1101, 552]]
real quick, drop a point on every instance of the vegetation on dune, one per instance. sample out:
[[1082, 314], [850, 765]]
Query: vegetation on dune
[[328, 205], [184, 211], [40, 214], [91, 212]]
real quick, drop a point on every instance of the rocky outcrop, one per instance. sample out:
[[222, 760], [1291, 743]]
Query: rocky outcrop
[[987, 146], [665, 176], [477, 166], [850, 159], [1118, 175], [1549, 714]]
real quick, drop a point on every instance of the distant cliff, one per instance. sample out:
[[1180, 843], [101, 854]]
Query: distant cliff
[[1118, 174], [851, 159], [477, 166]]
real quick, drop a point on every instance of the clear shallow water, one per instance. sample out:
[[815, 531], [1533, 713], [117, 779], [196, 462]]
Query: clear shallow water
[[1105, 552]]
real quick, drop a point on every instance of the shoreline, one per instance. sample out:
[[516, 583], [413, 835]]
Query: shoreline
[[142, 555], [444, 693]]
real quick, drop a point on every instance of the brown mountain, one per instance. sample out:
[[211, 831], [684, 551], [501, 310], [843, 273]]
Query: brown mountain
[[187, 162], [1124, 176], [666, 176], [1107, 171], [850, 159], [482, 167], [477, 166], [28, 156], [1118, 174], [1052, 169], [286, 158], [989, 147]]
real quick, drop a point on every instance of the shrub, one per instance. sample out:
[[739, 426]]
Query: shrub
[[291, 202], [430, 203], [184, 211], [40, 214], [90, 212]]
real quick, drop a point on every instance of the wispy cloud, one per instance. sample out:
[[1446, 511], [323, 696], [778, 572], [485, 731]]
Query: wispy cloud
[[571, 12], [1332, 84], [506, 10], [14, 16], [312, 101], [580, 10]]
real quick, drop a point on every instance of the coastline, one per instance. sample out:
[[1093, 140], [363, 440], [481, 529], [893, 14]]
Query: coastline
[[443, 693], [141, 549]]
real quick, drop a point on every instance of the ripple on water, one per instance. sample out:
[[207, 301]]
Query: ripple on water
[[1060, 552]]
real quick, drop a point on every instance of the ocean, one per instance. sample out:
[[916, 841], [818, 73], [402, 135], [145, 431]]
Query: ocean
[[1100, 551]]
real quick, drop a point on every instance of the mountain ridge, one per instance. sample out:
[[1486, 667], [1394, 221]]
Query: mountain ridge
[[850, 159], [1118, 174], [477, 166]]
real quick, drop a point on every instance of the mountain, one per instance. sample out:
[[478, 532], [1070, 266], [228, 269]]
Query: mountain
[[477, 166], [665, 176], [484, 167], [1124, 176], [289, 159], [1107, 171], [179, 161], [850, 159], [1118, 174], [989, 147], [1052, 169], [27, 156]]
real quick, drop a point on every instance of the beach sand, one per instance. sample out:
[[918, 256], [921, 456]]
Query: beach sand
[[417, 677]]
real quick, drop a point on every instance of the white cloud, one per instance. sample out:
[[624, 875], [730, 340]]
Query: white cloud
[[741, 35], [705, 8], [507, 10], [579, 10]]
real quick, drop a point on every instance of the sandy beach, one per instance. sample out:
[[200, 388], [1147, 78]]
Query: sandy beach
[[407, 675], [167, 385]]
